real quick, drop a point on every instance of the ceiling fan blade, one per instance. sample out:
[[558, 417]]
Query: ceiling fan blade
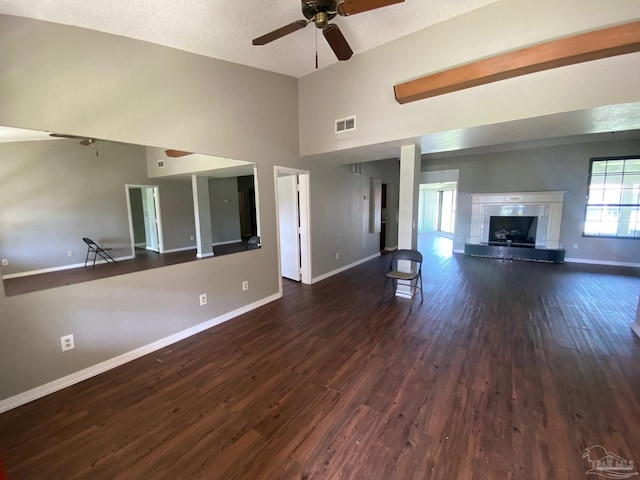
[[176, 153], [62, 135], [280, 32], [83, 140], [337, 42], [351, 7]]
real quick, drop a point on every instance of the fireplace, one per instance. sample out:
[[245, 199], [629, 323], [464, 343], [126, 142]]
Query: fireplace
[[545, 207], [513, 231]]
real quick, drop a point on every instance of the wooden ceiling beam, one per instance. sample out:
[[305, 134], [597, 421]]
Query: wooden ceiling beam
[[585, 47]]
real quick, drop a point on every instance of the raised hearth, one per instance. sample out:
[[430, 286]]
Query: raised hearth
[[515, 253]]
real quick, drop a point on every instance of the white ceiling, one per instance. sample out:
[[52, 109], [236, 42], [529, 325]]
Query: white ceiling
[[224, 29]]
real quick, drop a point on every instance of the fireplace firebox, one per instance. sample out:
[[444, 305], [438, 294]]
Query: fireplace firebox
[[513, 231]]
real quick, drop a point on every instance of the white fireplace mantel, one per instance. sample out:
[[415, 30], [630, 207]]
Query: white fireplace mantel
[[547, 206]]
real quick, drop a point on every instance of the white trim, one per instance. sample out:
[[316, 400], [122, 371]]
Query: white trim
[[67, 381], [458, 250], [391, 249], [344, 268], [181, 249], [140, 245], [227, 242], [307, 270], [601, 262], [204, 255], [63, 267], [636, 328], [156, 196]]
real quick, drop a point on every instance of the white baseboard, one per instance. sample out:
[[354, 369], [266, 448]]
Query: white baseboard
[[204, 255], [140, 245], [458, 250], [601, 262], [58, 269], [391, 249], [239, 240], [342, 269], [181, 249], [64, 382]]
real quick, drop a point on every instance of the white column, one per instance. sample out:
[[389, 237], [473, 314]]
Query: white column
[[202, 213], [410, 163], [635, 326]]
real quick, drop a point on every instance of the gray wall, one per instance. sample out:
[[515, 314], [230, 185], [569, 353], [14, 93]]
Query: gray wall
[[110, 87], [225, 210], [55, 192], [538, 169], [178, 221], [137, 216], [340, 205]]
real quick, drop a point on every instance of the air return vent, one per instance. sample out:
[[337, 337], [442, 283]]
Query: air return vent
[[345, 124]]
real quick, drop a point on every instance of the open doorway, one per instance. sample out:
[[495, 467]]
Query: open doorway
[[145, 221], [437, 208], [292, 212]]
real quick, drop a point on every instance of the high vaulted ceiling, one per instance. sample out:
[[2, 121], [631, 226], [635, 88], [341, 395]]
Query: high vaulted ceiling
[[224, 29]]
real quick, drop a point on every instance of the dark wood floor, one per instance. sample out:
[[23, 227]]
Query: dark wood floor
[[144, 260], [509, 370]]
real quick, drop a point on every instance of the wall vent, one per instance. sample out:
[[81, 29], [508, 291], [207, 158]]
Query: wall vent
[[356, 168], [160, 164], [346, 124]]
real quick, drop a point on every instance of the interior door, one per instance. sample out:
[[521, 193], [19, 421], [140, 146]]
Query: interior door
[[288, 222], [150, 218]]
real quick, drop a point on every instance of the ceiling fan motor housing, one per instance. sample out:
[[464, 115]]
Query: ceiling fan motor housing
[[312, 9]]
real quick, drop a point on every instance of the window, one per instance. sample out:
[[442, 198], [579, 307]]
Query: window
[[613, 198], [447, 211]]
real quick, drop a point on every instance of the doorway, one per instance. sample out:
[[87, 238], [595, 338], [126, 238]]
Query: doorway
[[145, 221], [292, 212], [437, 205]]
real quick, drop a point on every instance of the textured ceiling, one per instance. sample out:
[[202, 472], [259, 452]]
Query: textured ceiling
[[224, 29]]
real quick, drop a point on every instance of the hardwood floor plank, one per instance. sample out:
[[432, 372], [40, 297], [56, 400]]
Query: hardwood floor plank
[[507, 370]]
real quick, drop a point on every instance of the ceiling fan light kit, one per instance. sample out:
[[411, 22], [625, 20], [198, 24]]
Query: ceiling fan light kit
[[321, 12]]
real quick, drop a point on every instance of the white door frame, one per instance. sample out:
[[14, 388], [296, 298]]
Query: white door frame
[[305, 222], [156, 195]]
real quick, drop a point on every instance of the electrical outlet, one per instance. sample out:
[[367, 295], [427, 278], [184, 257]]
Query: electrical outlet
[[203, 299], [69, 253], [337, 256], [575, 246], [348, 252], [5, 262], [192, 238], [67, 342], [245, 285]]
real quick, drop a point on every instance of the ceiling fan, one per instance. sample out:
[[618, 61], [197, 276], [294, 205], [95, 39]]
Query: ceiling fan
[[83, 140], [320, 12]]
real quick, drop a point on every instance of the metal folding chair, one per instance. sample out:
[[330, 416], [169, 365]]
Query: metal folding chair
[[97, 251], [411, 276]]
